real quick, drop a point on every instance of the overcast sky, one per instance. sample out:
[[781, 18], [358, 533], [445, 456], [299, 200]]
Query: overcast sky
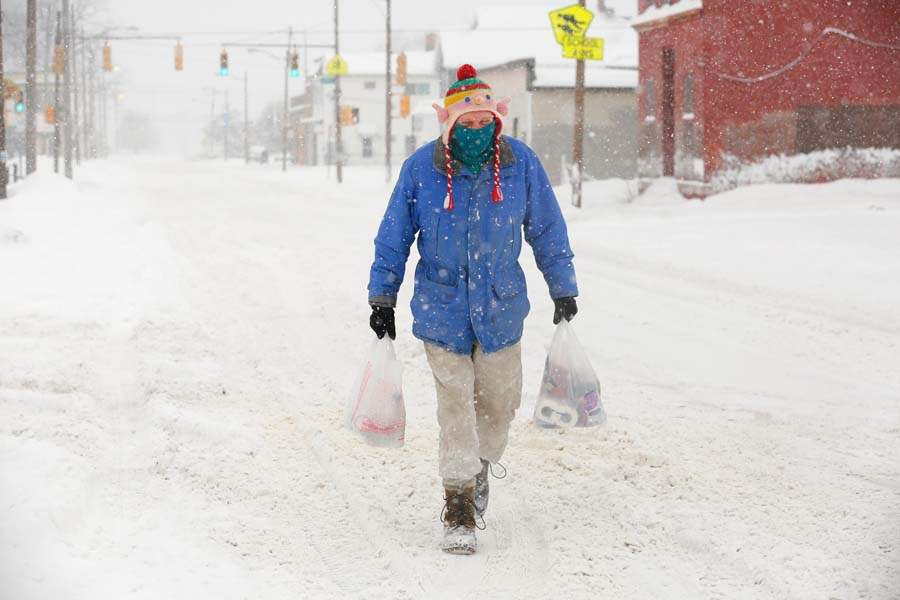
[[180, 102]]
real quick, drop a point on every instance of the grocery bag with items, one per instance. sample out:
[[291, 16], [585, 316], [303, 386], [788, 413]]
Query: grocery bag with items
[[375, 409], [570, 391]]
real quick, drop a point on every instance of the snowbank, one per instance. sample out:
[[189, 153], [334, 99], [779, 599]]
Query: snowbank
[[814, 167]]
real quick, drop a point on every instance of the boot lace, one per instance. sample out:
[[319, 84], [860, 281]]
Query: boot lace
[[494, 475], [461, 503]]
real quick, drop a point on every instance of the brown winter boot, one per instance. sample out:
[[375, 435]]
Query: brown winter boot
[[459, 520]]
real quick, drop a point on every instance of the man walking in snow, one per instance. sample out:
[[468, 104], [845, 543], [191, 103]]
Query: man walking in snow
[[468, 199]]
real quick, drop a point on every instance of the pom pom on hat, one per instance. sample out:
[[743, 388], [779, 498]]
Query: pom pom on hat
[[466, 71]]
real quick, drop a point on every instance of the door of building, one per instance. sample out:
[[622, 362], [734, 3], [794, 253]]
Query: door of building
[[668, 112]]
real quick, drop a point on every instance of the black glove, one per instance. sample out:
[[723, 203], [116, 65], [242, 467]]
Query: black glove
[[565, 309], [382, 321]]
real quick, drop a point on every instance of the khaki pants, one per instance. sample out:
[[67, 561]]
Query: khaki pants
[[477, 398]]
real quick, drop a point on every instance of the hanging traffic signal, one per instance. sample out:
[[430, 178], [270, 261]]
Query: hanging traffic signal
[[295, 65], [347, 116], [401, 69], [49, 115], [20, 102], [107, 57], [404, 106], [223, 63], [179, 57], [59, 60]]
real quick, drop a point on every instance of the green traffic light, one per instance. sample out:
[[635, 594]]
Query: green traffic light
[[223, 71], [20, 107], [295, 72]]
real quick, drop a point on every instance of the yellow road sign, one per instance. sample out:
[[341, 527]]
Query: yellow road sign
[[571, 21], [336, 66], [583, 48]]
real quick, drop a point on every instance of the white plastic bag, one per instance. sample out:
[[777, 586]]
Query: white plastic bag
[[570, 391], [375, 409]]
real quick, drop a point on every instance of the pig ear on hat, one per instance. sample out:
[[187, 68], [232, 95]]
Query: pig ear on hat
[[442, 113], [503, 106]]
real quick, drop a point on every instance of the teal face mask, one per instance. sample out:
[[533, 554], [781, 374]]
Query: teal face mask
[[472, 147]]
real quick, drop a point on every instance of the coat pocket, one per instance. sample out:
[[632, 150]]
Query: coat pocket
[[438, 283], [442, 273], [509, 283]]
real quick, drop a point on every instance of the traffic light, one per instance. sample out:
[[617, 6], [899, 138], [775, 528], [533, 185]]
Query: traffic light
[[404, 106], [59, 60], [223, 63], [20, 102], [295, 65], [107, 57], [401, 69], [347, 116], [354, 118], [179, 57], [50, 115]]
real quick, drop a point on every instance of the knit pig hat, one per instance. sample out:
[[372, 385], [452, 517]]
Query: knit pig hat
[[470, 94]]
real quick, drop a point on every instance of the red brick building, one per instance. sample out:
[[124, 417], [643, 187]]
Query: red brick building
[[752, 78]]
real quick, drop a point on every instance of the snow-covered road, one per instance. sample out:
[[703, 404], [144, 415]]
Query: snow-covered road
[[177, 341]]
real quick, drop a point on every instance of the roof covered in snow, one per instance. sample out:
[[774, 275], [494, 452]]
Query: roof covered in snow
[[656, 14], [504, 34]]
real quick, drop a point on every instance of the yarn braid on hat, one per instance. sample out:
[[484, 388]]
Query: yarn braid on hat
[[470, 94]]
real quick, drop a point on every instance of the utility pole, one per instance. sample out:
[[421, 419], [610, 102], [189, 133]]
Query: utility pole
[[85, 111], [116, 122], [76, 89], [578, 151], [91, 129], [48, 42], [31, 98], [57, 101], [284, 117], [246, 121], [104, 113], [212, 123], [338, 146], [388, 101], [226, 125], [4, 174], [67, 90]]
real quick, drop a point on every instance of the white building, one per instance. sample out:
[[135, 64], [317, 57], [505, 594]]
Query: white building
[[363, 89]]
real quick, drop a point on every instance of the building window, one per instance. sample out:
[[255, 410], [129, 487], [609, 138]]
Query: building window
[[649, 100], [367, 147], [418, 89], [369, 85], [688, 98]]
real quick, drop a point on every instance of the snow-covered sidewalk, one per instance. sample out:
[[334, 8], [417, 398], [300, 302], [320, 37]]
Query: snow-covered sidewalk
[[177, 341]]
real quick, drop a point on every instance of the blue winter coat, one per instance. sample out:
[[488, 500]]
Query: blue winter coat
[[469, 286]]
